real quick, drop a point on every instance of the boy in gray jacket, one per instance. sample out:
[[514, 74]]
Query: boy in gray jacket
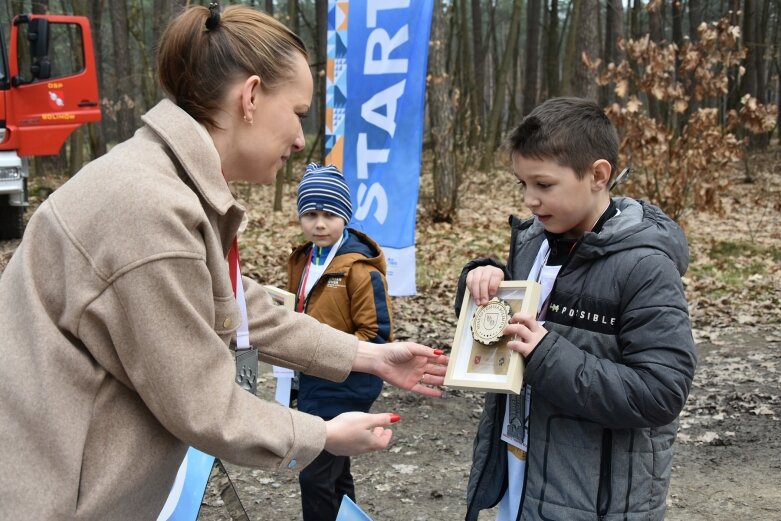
[[610, 356]]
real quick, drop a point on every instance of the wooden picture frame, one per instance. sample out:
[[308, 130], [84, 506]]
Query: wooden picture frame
[[495, 368], [281, 297], [283, 375]]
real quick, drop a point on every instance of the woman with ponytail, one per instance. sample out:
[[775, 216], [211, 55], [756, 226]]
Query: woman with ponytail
[[120, 308]]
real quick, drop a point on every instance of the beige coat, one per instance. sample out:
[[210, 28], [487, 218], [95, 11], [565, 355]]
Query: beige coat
[[117, 311]]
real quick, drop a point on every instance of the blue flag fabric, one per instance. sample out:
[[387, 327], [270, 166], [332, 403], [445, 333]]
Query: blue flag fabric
[[184, 500], [375, 100], [349, 511]]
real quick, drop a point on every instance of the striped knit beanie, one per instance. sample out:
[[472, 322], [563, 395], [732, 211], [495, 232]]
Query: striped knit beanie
[[324, 188]]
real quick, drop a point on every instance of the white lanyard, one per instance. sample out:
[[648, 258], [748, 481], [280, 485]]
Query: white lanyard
[[242, 333], [307, 284]]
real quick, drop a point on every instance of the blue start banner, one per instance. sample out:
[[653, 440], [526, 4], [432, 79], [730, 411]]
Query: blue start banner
[[375, 99]]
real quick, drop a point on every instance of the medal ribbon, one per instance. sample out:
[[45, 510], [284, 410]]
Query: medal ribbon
[[302, 286], [302, 291], [234, 266], [234, 269]]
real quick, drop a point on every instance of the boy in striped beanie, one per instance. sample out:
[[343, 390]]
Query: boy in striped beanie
[[338, 277], [323, 188]]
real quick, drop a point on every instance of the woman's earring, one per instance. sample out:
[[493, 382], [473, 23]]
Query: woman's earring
[[248, 120]]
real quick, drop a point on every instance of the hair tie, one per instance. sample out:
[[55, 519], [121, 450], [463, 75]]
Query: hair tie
[[214, 16]]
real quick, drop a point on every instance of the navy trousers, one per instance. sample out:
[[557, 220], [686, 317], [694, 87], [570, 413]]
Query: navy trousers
[[323, 483]]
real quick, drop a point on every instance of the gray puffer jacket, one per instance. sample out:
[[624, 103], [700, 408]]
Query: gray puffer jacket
[[609, 379]]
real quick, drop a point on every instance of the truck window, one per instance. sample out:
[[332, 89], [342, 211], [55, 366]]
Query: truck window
[[65, 51], [3, 62]]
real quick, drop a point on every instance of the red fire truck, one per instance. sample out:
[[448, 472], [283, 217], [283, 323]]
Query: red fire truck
[[48, 89]]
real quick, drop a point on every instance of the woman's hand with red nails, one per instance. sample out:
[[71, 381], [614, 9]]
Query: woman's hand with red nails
[[354, 433], [406, 365]]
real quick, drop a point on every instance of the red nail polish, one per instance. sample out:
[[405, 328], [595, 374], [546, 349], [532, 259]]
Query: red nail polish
[[438, 352], [394, 417]]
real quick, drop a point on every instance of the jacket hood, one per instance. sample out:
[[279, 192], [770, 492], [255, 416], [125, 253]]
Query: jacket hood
[[639, 225]]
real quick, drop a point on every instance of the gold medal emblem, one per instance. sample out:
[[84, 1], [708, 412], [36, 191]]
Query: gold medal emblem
[[489, 321]]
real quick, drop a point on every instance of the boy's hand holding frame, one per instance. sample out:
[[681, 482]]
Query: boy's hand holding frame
[[489, 365]]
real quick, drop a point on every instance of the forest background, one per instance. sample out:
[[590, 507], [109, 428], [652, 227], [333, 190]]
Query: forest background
[[693, 87], [690, 84]]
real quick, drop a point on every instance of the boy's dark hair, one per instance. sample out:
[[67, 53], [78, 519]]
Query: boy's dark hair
[[574, 132]]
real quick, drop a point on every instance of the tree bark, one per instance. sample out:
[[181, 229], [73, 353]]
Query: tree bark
[[124, 88], [655, 25], [441, 115], [491, 43], [513, 87], [321, 48], [754, 82], [677, 23], [775, 63], [468, 83], [734, 82], [570, 48], [552, 51], [583, 83], [479, 63], [748, 84], [614, 31], [38, 8], [97, 131], [76, 158], [635, 24], [532, 55], [177, 6], [494, 120], [695, 19], [762, 44], [656, 21], [281, 180], [137, 29], [161, 12]]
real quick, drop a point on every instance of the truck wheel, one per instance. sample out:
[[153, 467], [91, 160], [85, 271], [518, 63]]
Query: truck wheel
[[11, 221]]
